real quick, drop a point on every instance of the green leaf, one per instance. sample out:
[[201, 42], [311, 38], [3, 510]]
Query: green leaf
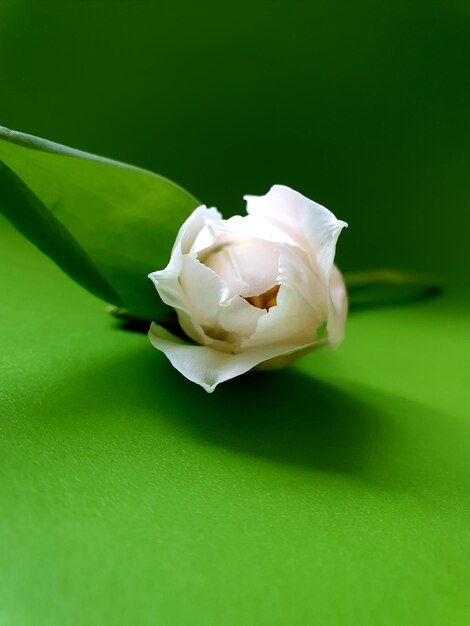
[[321, 330], [43, 229], [105, 223]]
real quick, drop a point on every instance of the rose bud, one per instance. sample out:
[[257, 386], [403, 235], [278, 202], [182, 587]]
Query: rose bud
[[253, 291]]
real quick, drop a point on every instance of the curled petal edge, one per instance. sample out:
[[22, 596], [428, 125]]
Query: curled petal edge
[[208, 367]]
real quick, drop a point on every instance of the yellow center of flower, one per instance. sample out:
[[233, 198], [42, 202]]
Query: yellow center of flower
[[265, 300]]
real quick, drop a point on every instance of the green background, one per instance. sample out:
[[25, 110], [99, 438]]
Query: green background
[[334, 492]]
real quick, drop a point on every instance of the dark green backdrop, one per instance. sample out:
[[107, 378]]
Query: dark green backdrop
[[336, 492], [361, 105]]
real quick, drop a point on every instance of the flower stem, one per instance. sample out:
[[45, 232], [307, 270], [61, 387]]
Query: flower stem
[[386, 287]]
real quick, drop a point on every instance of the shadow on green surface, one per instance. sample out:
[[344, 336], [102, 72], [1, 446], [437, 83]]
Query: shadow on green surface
[[284, 417], [290, 418]]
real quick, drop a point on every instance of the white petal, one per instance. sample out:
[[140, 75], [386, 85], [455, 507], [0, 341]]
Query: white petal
[[193, 225], [248, 266], [205, 237], [250, 226], [166, 280], [203, 290], [311, 225], [302, 304], [338, 308], [208, 305], [208, 367], [238, 316], [192, 328]]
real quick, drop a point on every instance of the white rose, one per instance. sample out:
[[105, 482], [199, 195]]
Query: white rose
[[258, 290]]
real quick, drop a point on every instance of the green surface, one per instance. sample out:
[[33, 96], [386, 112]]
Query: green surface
[[335, 492]]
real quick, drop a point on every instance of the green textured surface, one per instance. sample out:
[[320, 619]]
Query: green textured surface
[[334, 492]]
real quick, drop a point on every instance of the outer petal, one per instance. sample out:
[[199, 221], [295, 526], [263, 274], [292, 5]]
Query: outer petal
[[193, 225], [248, 226], [203, 290], [166, 281], [310, 224], [208, 367], [338, 308]]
